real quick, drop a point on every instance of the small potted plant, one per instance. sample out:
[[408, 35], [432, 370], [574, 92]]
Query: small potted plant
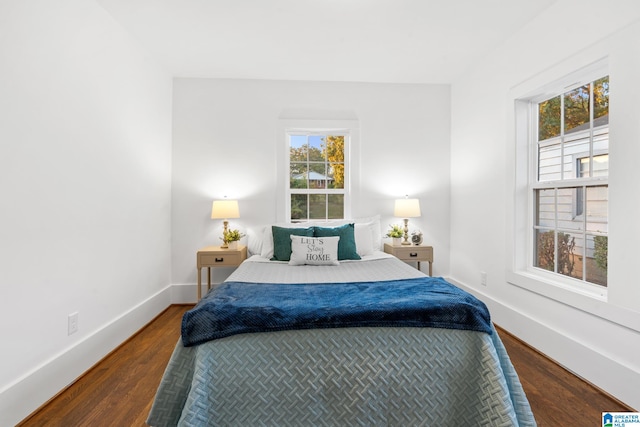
[[231, 238], [396, 233]]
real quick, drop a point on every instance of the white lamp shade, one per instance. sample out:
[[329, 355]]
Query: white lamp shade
[[225, 209], [407, 208]]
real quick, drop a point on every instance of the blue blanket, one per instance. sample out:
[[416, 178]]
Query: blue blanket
[[235, 307]]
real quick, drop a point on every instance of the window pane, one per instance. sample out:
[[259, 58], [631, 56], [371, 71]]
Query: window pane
[[546, 208], [549, 118], [299, 206], [335, 171], [549, 162], [317, 175], [597, 256], [545, 249], [601, 101], [567, 212], [574, 148], [315, 148], [569, 256], [334, 153], [298, 175], [298, 148], [601, 165], [576, 109], [601, 139], [317, 206], [336, 206], [598, 209]]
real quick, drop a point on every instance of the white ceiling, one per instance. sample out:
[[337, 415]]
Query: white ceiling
[[399, 41]]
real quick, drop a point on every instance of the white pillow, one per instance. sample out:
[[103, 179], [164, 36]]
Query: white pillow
[[254, 240], [267, 236], [314, 250], [364, 238], [374, 222]]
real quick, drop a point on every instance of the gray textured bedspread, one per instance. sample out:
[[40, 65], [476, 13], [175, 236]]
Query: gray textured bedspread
[[360, 376], [343, 377]]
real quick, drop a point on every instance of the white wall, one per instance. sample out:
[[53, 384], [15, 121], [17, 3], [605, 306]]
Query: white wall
[[225, 143], [597, 340], [85, 186]]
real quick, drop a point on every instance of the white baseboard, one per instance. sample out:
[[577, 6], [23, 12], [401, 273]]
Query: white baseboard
[[34, 389], [612, 377]]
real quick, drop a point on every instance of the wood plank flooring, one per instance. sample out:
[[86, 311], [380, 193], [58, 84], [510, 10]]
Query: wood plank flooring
[[557, 397], [119, 390]]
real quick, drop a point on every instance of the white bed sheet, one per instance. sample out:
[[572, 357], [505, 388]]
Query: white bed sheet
[[377, 267]]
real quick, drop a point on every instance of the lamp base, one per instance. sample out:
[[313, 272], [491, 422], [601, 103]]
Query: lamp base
[[224, 244], [406, 232]]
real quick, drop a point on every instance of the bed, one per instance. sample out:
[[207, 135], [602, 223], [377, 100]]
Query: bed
[[274, 345]]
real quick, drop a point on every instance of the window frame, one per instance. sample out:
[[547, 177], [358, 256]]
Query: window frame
[[318, 191], [287, 127], [521, 209], [575, 182]]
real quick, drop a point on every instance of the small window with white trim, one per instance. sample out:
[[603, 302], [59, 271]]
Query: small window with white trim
[[317, 187], [569, 187]]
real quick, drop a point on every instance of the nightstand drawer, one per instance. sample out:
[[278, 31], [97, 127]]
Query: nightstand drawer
[[415, 253], [411, 253], [221, 259]]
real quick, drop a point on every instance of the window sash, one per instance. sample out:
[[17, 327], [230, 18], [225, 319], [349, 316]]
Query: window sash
[[592, 142], [318, 191]]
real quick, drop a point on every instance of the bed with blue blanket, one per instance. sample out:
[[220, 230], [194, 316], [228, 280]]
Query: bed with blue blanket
[[372, 342]]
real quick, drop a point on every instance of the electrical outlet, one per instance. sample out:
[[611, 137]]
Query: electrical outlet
[[72, 323], [483, 278]]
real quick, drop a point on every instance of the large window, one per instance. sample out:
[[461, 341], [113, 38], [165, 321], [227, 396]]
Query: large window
[[318, 175], [570, 183]]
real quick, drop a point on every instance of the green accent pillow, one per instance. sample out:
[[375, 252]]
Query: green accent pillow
[[282, 241], [347, 243]]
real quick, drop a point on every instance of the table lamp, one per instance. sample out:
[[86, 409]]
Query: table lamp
[[225, 209], [407, 208]]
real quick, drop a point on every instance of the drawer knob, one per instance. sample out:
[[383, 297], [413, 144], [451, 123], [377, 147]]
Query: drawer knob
[[219, 259], [413, 254]]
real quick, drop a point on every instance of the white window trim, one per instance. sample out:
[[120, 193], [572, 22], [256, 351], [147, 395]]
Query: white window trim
[[517, 207], [521, 272], [352, 173]]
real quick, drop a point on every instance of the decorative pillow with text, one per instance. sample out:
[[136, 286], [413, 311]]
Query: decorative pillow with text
[[314, 250]]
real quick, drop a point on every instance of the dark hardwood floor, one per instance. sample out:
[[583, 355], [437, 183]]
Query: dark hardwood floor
[[119, 390], [557, 397]]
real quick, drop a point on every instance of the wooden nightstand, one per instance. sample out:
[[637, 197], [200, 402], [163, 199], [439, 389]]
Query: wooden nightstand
[[412, 254], [215, 256]]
